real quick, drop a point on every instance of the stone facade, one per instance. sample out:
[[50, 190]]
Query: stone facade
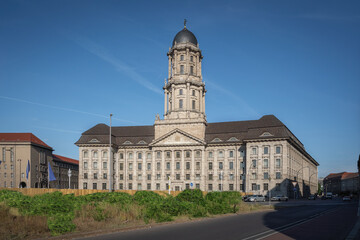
[[183, 149]]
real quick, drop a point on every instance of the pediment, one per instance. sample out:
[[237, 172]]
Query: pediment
[[177, 137]]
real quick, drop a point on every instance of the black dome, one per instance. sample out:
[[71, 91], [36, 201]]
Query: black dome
[[185, 36]]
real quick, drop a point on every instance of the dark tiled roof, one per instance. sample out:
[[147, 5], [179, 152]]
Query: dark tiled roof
[[65, 159], [22, 137]]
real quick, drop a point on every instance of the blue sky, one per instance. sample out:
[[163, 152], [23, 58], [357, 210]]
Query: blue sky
[[66, 65]]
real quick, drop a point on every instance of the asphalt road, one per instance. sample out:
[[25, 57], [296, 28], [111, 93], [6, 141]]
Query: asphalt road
[[330, 219]]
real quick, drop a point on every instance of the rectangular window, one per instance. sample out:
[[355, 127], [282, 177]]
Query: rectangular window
[[149, 166], [121, 156], [187, 176], [85, 154], [187, 186], [231, 176], [95, 154], [221, 154], [158, 186], [158, 176], [253, 150], [168, 154], [254, 187], [210, 187], [220, 187], [266, 150], [221, 166], [191, 70], [104, 175], [187, 154], [278, 150], [167, 186], [231, 165], [94, 185], [121, 186], [231, 187], [95, 176], [177, 176], [177, 154], [121, 166], [193, 93], [182, 69], [130, 186], [148, 156], [278, 175], [167, 165], [210, 165], [121, 176], [85, 185], [139, 177], [139, 155], [104, 154], [139, 166], [130, 156], [149, 177], [103, 186], [158, 155], [193, 104], [197, 177], [231, 154], [167, 176], [210, 177], [277, 163], [85, 165], [104, 165], [197, 186], [266, 175], [198, 154], [95, 165], [253, 176], [177, 165], [266, 186], [187, 165], [191, 58], [266, 163], [3, 154], [158, 166], [253, 163], [130, 166], [130, 177], [148, 186], [241, 187], [85, 176], [197, 166], [181, 57], [180, 92], [210, 154]]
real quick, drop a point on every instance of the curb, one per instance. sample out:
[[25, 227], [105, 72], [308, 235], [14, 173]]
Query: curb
[[356, 229]]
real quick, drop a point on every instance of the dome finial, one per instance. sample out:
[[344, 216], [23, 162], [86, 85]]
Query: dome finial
[[185, 23]]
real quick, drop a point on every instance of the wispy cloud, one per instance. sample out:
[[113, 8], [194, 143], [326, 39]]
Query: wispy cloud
[[63, 109], [119, 65], [244, 105]]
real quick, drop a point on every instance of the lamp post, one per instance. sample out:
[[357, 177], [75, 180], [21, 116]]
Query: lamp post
[[19, 160], [110, 155], [69, 175]]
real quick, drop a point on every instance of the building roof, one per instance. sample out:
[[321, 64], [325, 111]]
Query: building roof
[[185, 36], [65, 159], [342, 175], [22, 137]]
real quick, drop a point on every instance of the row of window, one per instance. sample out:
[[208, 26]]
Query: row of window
[[4, 154], [254, 150], [182, 70], [167, 165], [265, 163], [181, 104], [6, 185], [220, 153], [181, 92], [11, 166], [182, 58], [5, 175], [254, 176], [256, 187]]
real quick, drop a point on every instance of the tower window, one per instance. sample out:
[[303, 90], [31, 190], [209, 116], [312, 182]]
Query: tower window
[[191, 58], [193, 104], [191, 70], [180, 103], [181, 57], [180, 92], [193, 92], [182, 69]]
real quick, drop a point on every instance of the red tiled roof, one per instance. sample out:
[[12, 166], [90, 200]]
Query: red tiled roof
[[342, 175], [347, 175], [22, 137], [65, 159]]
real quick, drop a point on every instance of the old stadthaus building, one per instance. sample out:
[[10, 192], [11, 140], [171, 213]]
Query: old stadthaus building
[[252, 156]]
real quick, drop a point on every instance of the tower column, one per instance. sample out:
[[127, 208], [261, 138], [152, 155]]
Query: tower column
[[169, 68], [200, 101], [197, 65], [166, 100], [187, 61], [172, 97], [188, 96]]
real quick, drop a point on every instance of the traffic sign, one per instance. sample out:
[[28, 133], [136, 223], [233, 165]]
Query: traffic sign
[[295, 189], [191, 184]]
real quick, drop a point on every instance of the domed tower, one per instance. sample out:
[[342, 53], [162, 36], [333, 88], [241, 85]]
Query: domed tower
[[184, 89]]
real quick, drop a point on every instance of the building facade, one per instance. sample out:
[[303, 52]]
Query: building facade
[[183, 150], [342, 183], [19, 149]]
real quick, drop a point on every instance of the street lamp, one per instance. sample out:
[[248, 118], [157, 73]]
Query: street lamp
[[110, 155], [69, 175]]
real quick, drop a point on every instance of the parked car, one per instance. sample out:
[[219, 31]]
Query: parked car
[[255, 198], [312, 197], [346, 198], [246, 197], [280, 198], [329, 195]]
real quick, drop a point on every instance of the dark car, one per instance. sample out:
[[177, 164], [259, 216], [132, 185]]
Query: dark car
[[312, 197]]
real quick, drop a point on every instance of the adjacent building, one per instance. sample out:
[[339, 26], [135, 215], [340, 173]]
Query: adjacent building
[[20, 149], [182, 150], [341, 183]]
